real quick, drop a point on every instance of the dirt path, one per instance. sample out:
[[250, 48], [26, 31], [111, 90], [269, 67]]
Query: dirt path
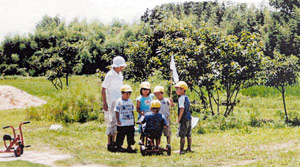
[[13, 98], [46, 158]]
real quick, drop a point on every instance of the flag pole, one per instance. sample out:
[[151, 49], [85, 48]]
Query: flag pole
[[170, 104], [171, 84]]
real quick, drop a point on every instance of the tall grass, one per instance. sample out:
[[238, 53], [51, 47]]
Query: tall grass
[[78, 103], [263, 91]]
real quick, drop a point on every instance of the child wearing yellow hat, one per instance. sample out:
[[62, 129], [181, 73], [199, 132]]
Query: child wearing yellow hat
[[184, 117], [125, 118], [164, 109]]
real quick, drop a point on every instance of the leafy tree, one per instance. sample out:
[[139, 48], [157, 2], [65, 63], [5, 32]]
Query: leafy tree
[[280, 72], [285, 6], [68, 53], [204, 58]]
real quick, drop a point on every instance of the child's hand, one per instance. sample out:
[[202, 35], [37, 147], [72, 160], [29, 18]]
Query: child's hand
[[119, 122], [142, 113], [105, 107], [172, 102]]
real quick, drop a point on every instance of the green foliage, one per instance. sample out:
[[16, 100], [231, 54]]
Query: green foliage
[[281, 72], [209, 123], [204, 58], [79, 103]]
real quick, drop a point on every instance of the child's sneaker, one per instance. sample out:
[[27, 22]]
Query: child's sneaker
[[109, 147], [129, 148], [189, 150], [140, 142]]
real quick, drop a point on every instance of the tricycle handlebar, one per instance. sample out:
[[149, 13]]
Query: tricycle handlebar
[[5, 127], [27, 122]]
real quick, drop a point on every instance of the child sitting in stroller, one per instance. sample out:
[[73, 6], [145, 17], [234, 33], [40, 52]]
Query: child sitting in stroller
[[155, 122]]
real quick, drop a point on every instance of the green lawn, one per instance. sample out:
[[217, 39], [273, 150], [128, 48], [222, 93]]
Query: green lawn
[[268, 145]]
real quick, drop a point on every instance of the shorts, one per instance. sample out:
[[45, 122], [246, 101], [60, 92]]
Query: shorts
[[153, 134], [185, 129], [167, 131], [111, 130], [125, 131], [111, 120]]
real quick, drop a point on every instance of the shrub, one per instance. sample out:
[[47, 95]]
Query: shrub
[[79, 103]]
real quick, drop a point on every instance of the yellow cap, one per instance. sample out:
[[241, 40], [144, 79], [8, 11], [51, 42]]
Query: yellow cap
[[126, 88], [159, 89], [155, 104], [181, 84], [145, 85]]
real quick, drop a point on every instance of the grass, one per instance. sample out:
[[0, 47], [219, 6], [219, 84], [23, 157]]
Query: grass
[[271, 144]]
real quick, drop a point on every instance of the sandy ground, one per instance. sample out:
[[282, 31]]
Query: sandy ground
[[46, 158], [13, 98]]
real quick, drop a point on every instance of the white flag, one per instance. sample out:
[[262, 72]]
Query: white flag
[[194, 121], [173, 68]]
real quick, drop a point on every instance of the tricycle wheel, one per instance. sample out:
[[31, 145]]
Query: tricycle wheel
[[18, 151], [143, 151], [169, 149], [22, 148]]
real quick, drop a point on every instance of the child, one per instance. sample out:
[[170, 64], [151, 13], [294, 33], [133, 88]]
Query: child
[[184, 117], [110, 93], [164, 109], [155, 122], [125, 118], [143, 103]]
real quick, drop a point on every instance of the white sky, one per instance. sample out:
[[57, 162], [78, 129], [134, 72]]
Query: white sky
[[21, 16]]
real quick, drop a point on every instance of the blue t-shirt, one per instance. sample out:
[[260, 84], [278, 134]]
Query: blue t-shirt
[[145, 102], [184, 102], [154, 122]]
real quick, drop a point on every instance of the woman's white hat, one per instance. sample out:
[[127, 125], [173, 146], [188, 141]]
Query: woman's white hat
[[119, 61]]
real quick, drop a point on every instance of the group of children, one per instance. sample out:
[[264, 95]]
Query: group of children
[[153, 115]]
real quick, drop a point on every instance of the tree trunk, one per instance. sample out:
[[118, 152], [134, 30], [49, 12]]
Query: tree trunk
[[284, 105], [227, 101], [67, 79], [211, 107], [233, 103], [218, 103]]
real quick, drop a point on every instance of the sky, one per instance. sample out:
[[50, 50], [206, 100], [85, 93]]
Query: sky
[[21, 16]]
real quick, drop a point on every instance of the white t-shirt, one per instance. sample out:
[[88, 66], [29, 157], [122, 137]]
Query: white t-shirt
[[125, 109], [165, 107], [181, 100], [113, 83]]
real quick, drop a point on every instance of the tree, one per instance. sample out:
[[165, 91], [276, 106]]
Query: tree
[[285, 6], [204, 58], [280, 72], [68, 53]]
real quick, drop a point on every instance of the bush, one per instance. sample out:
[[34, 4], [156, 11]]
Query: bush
[[209, 123], [79, 103]]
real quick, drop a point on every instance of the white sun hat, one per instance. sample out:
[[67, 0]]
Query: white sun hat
[[119, 61]]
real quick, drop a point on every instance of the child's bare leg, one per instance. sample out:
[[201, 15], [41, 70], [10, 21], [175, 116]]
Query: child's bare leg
[[157, 143], [110, 139], [169, 139], [141, 139], [113, 137], [182, 142], [189, 140]]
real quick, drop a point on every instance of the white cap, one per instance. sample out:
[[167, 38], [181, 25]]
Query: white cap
[[119, 61]]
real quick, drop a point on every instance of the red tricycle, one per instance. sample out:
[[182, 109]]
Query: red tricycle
[[150, 149], [16, 143]]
